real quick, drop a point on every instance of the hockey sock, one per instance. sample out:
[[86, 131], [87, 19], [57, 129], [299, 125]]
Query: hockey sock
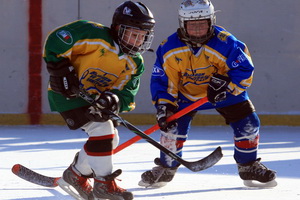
[[246, 138]]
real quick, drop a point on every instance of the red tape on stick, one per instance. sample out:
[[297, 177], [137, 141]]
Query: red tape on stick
[[156, 127]]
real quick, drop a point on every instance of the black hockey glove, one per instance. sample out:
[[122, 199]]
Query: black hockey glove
[[96, 115], [163, 112], [107, 101], [216, 91], [63, 78]]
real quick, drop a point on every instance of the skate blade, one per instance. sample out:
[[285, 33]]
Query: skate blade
[[154, 185], [102, 198], [69, 189], [252, 183]]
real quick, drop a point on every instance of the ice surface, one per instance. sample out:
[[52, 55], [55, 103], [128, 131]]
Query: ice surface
[[50, 149]]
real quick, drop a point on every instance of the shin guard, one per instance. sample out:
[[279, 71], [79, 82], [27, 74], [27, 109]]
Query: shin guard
[[246, 138]]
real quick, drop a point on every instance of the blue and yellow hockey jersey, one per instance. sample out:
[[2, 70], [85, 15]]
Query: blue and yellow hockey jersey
[[183, 73]]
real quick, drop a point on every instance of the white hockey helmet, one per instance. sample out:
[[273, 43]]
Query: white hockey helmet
[[196, 10]]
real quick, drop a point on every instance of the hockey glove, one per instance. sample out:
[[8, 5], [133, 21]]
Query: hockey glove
[[163, 112], [106, 101], [96, 115], [63, 78], [216, 91]]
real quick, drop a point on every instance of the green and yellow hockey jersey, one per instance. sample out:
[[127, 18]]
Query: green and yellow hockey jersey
[[98, 62]]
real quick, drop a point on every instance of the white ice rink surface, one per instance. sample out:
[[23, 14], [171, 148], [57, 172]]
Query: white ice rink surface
[[50, 149]]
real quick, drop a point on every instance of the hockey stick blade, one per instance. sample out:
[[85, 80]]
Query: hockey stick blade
[[206, 162], [195, 166], [34, 177]]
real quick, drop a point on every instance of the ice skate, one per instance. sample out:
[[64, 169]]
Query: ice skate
[[158, 177], [75, 185], [106, 188], [255, 174]]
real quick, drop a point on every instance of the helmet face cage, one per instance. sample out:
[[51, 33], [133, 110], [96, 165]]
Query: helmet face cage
[[129, 20], [191, 10], [132, 41]]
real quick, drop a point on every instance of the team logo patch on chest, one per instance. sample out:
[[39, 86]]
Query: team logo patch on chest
[[196, 78], [98, 78]]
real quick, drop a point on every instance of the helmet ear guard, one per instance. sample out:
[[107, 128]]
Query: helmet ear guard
[[196, 10], [130, 16]]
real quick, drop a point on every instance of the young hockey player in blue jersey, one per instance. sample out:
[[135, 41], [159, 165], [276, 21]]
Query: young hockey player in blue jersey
[[202, 60], [107, 63]]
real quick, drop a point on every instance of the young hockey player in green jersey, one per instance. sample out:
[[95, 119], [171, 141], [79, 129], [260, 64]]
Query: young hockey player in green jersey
[[107, 63]]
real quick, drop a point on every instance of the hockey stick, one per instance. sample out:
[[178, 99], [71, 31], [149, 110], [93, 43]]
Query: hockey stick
[[195, 166], [34, 177], [156, 127]]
